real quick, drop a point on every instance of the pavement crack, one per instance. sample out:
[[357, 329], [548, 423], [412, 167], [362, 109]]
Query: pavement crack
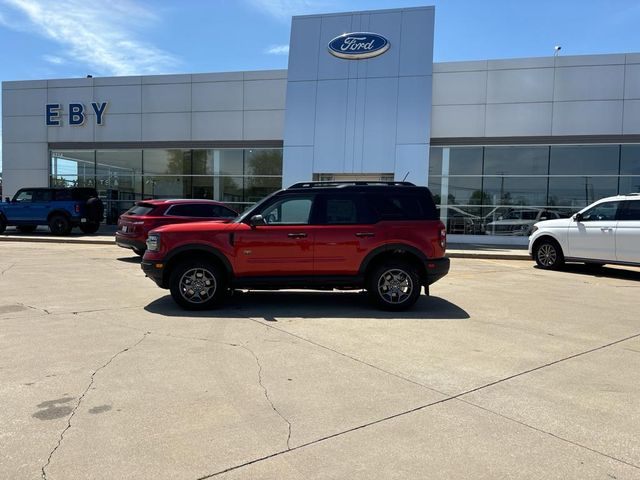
[[7, 269], [266, 394], [424, 406], [75, 409], [36, 308]]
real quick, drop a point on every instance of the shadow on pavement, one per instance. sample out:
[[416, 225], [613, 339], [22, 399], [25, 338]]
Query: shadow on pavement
[[134, 259], [274, 304], [620, 273]]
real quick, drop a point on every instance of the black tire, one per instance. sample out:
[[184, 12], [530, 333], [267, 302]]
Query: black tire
[[27, 228], [90, 227], [94, 209], [204, 275], [59, 225], [394, 285], [548, 254], [3, 224], [139, 251]]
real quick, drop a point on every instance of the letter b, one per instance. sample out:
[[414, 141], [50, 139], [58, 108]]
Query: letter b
[[76, 114]]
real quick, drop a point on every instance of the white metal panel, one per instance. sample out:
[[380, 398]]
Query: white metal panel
[[109, 81], [166, 126], [24, 129], [166, 98], [216, 96], [297, 165], [524, 85], [300, 113], [265, 94], [304, 48], [217, 77], [330, 67], [416, 48], [66, 95], [631, 120], [24, 84], [24, 156], [21, 102], [70, 82], [162, 79], [457, 121], [123, 127], [468, 66], [520, 63], [412, 163], [263, 124], [72, 133], [516, 119], [216, 126], [386, 64], [587, 118], [13, 180], [121, 98], [265, 75], [413, 119], [589, 83], [380, 125], [459, 88], [632, 82], [586, 60], [329, 139]]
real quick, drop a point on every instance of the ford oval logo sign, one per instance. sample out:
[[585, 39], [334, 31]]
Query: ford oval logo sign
[[358, 45]]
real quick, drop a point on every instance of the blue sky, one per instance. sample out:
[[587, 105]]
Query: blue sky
[[73, 38]]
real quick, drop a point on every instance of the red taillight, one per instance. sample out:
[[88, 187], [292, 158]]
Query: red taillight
[[443, 238], [77, 208]]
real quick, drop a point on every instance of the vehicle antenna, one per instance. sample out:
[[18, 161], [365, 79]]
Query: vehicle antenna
[[407, 174]]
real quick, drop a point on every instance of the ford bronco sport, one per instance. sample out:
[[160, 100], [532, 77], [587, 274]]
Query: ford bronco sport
[[59, 208], [384, 237]]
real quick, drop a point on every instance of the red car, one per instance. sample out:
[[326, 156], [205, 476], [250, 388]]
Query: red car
[[385, 237], [135, 224]]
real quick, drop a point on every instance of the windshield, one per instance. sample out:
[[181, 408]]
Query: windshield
[[249, 211], [140, 209]]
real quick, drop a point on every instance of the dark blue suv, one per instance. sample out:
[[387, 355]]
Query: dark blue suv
[[59, 208]]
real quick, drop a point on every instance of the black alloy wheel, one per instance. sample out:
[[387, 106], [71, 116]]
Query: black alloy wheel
[[59, 225]]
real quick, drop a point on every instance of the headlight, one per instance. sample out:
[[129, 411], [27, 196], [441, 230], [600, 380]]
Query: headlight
[[153, 242]]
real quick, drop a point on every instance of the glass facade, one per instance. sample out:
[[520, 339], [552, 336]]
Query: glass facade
[[237, 177], [504, 190]]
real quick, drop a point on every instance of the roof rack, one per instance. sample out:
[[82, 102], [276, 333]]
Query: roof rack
[[342, 184]]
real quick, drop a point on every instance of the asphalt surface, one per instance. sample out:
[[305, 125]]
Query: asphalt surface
[[506, 371]]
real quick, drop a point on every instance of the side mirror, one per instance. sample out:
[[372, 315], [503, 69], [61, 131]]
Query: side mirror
[[543, 218], [578, 217], [257, 220], [7, 199]]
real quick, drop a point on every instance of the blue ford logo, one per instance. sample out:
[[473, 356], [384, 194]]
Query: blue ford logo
[[358, 45]]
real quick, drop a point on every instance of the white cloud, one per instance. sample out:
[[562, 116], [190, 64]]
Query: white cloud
[[99, 34], [278, 50], [54, 59], [285, 9]]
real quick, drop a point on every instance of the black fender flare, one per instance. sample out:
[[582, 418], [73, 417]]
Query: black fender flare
[[389, 248]]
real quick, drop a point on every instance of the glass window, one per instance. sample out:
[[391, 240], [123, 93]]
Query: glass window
[[190, 210], [435, 161], [24, 196], [72, 168], [167, 162], [259, 161], [463, 161], [630, 210], [584, 160], [42, 196], [141, 209], [166, 186], [222, 212], [515, 190], [256, 188], [228, 162], [516, 160], [577, 192], [289, 211], [402, 207], [602, 211]]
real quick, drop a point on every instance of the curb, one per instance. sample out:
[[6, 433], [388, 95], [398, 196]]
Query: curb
[[83, 241]]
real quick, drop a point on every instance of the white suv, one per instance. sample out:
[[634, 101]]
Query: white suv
[[607, 231]]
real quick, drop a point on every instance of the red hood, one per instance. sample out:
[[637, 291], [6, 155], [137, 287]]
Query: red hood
[[206, 226]]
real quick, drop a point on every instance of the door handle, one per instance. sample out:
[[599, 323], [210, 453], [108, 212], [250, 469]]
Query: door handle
[[365, 234], [606, 229], [297, 235]]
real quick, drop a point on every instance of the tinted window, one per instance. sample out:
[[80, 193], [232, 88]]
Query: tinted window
[[82, 194], [142, 209], [25, 196], [42, 195], [223, 212], [63, 195], [344, 210], [186, 210], [603, 211], [630, 210], [288, 211], [403, 206]]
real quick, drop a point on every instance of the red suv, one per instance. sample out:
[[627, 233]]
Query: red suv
[[384, 237], [135, 224]]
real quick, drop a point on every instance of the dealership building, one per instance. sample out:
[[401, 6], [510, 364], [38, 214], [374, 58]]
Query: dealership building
[[520, 139]]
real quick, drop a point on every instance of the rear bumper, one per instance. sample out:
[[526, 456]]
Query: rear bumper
[[129, 242], [436, 269], [154, 270]]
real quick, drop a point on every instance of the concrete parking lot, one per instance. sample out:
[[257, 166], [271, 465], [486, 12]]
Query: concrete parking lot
[[506, 371]]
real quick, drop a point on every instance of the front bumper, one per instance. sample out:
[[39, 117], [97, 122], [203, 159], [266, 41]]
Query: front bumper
[[154, 269], [436, 269]]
